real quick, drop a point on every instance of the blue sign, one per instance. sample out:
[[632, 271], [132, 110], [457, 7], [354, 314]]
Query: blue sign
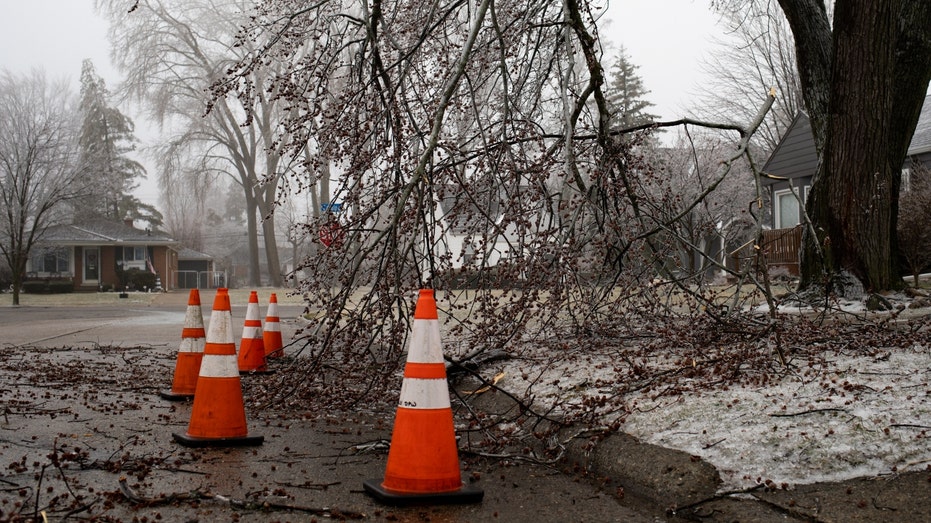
[[331, 207]]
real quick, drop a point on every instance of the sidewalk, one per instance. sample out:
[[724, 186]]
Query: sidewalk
[[179, 297]]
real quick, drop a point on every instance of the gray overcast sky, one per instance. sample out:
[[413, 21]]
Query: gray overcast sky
[[56, 35], [666, 39]]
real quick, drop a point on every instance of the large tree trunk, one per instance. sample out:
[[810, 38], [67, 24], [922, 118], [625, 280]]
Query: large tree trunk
[[268, 195], [863, 132], [271, 252], [814, 45], [255, 275], [19, 269]]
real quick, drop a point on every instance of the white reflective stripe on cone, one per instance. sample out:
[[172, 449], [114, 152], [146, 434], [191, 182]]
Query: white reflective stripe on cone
[[424, 345], [272, 326], [192, 345], [419, 393], [219, 366], [249, 333], [194, 317], [221, 327]]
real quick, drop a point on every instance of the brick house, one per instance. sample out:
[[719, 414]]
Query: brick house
[[91, 253]]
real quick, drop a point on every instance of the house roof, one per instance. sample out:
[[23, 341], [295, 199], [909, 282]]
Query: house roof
[[191, 254], [104, 232], [921, 140], [795, 155]]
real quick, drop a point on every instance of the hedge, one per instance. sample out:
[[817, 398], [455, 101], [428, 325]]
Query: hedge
[[47, 287], [137, 279]]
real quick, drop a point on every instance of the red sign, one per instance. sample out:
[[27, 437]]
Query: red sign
[[332, 233]]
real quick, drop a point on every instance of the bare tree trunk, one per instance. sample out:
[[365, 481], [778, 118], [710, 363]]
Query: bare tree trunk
[[271, 252], [862, 133], [266, 201], [17, 281], [255, 275]]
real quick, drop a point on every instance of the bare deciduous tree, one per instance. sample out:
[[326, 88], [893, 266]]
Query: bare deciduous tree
[[171, 53], [914, 218], [756, 53], [473, 150], [38, 163]]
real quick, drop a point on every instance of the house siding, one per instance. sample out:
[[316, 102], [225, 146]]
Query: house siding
[[921, 159], [795, 160], [166, 263]]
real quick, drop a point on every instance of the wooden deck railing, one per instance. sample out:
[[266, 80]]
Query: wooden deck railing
[[781, 247]]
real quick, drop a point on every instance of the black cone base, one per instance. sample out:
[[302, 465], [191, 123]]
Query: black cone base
[[171, 396], [250, 372], [244, 441], [466, 494]]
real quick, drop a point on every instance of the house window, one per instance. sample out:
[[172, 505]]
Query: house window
[[787, 210], [46, 261], [906, 184], [134, 254], [133, 258]]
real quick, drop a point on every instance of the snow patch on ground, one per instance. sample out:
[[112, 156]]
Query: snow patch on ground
[[855, 415], [794, 308], [864, 416]]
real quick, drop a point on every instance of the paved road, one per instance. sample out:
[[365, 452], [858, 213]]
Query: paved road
[[122, 428], [152, 321]]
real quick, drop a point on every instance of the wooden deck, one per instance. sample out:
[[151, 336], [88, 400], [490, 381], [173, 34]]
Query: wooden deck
[[780, 248]]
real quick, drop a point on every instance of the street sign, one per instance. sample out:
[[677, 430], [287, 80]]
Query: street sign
[[332, 233]]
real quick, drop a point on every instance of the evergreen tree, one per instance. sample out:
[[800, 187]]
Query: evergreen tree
[[625, 94], [105, 139]]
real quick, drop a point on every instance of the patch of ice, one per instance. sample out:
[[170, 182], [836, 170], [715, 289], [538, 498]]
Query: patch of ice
[[864, 417], [861, 415]]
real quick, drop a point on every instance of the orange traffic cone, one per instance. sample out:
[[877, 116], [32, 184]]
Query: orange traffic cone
[[252, 347], [272, 333], [190, 353], [423, 461], [218, 416]]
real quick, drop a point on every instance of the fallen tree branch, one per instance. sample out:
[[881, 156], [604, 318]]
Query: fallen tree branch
[[266, 504], [909, 426], [788, 510], [308, 485], [805, 412]]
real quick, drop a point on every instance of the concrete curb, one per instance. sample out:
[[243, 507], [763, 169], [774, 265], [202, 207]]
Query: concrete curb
[[684, 486], [661, 477]]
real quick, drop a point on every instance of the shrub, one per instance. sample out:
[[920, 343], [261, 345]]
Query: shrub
[[48, 286], [60, 286], [34, 287], [914, 217], [137, 279]]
